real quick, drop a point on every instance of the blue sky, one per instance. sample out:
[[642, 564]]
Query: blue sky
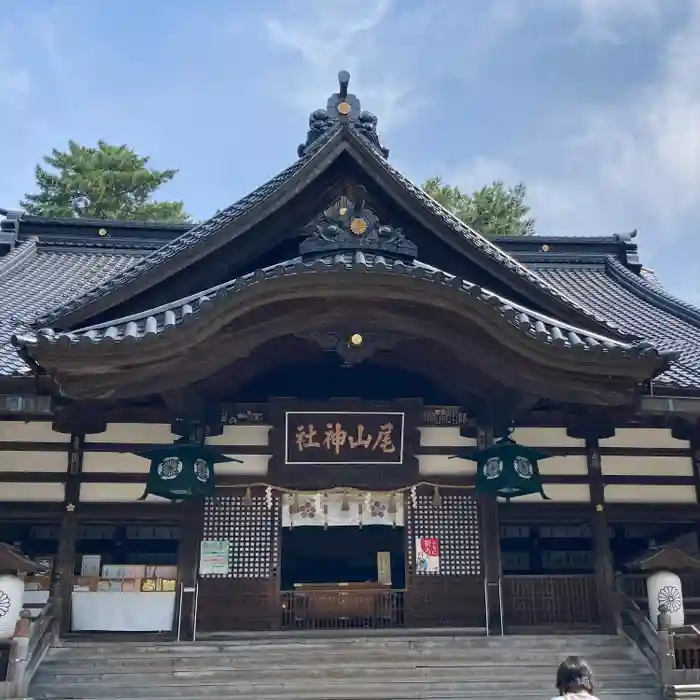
[[594, 104]]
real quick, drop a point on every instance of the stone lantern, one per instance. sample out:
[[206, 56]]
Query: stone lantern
[[664, 586], [12, 565]]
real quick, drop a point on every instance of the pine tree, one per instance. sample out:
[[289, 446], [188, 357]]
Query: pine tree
[[106, 182], [494, 210]]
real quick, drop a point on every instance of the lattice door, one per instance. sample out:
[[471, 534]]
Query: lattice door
[[247, 597], [454, 595]]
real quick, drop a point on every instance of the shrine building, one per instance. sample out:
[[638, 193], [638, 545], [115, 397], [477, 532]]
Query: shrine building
[[334, 405]]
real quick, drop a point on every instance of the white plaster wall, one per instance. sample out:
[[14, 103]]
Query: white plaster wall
[[257, 435], [116, 462], [637, 493], [33, 461], [650, 438], [36, 431], [545, 437], [254, 465], [444, 436], [441, 464], [31, 492], [559, 493], [114, 493], [156, 433], [570, 465], [646, 466]]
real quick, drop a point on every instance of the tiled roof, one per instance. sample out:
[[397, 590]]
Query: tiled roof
[[600, 287], [33, 281], [155, 322]]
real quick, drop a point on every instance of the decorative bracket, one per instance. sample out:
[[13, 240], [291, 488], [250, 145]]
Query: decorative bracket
[[356, 227]]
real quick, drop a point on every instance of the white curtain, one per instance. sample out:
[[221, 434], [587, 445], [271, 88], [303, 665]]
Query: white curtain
[[326, 510]]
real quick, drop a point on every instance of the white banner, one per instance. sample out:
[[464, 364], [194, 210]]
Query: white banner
[[328, 511]]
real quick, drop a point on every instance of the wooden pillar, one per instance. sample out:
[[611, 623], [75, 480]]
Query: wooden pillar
[[62, 583], [490, 545], [603, 561]]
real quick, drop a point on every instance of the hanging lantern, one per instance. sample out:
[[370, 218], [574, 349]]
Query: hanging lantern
[[181, 471], [507, 469]]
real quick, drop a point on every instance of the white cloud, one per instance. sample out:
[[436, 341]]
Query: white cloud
[[608, 20], [632, 163], [328, 36], [645, 150]]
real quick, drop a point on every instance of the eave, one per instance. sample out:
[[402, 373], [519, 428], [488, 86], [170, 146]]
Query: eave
[[91, 362]]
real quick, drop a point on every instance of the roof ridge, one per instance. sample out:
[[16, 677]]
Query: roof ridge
[[659, 297]]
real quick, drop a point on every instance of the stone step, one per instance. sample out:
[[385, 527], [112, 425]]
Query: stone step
[[360, 687], [591, 642], [497, 646], [542, 674], [522, 656], [443, 667], [324, 664]]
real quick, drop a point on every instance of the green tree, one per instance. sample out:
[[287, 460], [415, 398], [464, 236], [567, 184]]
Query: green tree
[[106, 182], [494, 210]]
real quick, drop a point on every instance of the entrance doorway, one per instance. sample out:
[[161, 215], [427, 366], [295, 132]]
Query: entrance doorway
[[342, 577]]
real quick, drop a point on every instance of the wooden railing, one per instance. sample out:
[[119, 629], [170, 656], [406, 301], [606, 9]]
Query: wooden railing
[[673, 653], [550, 601], [30, 643], [639, 629], [342, 609]]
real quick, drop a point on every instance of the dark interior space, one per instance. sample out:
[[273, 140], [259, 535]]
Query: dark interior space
[[154, 545], [324, 374], [630, 541], [560, 549], [340, 555]]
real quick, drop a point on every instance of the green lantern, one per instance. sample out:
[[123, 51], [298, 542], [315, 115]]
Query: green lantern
[[507, 469], [181, 471]]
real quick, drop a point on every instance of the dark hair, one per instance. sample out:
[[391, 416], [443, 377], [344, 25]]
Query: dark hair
[[574, 675]]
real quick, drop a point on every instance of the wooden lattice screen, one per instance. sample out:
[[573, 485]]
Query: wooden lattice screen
[[454, 596], [247, 597]]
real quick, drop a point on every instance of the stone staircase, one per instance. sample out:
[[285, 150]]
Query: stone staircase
[[341, 667]]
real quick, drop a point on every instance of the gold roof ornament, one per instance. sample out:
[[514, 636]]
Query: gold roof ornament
[[358, 226]]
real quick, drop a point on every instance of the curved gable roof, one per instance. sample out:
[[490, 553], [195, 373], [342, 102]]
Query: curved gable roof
[[233, 221]]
